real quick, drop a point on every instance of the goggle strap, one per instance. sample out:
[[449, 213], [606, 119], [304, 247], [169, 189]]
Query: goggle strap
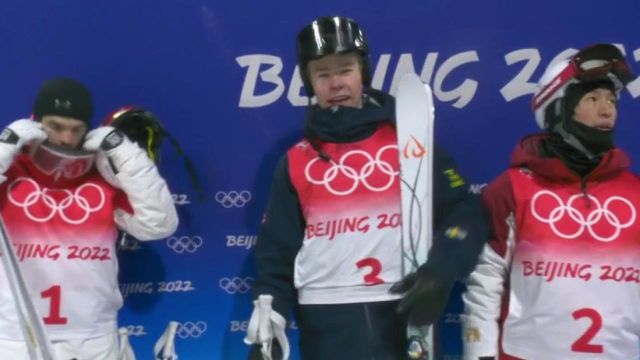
[[150, 141], [554, 85], [188, 164]]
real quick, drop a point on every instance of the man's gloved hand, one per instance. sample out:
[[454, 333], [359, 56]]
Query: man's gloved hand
[[104, 138], [426, 295], [14, 137], [23, 131], [127, 167], [113, 151]]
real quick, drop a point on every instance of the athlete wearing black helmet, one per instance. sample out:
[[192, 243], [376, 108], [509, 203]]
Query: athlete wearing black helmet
[[330, 241], [331, 36]]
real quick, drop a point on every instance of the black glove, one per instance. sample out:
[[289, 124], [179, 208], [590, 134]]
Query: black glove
[[254, 353], [426, 295]]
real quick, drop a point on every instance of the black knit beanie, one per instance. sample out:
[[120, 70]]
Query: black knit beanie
[[64, 97]]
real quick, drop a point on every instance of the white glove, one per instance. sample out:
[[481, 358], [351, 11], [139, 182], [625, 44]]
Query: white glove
[[165, 348], [265, 323], [126, 166], [14, 137], [109, 143], [104, 138]]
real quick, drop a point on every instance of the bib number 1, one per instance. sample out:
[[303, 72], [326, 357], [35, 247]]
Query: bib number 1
[[54, 294]]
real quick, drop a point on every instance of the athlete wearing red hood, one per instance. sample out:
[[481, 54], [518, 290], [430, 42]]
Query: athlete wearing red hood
[[559, 277]]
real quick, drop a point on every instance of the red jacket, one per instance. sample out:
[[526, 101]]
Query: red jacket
[[559, 277]]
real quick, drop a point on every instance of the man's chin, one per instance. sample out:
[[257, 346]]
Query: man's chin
[[346, 103], [343, 103]]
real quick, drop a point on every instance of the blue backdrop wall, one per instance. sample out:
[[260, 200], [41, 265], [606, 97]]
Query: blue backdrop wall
[[222, 77]]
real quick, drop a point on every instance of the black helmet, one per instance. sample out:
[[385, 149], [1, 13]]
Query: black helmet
[[141, 126], [329, 35], [144, 128]]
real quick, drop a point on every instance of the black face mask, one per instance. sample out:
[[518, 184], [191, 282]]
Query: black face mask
[[579, 146], [595, 141], [591, 142]]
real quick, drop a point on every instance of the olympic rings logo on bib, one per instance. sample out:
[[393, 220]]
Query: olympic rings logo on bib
[[342, 179], [604, 222], [42, 204]]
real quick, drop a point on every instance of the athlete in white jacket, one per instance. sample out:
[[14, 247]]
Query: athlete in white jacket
[[65, 192]]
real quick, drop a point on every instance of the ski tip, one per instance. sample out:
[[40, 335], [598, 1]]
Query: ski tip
[[414, 78], [411, 76]]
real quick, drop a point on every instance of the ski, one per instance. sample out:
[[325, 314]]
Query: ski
[[414, 124], [30, 322]]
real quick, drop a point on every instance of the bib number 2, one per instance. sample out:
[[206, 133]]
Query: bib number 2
[[584, 343]]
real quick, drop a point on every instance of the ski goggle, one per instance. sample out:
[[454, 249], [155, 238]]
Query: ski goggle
[[59, 161], [594, 63]]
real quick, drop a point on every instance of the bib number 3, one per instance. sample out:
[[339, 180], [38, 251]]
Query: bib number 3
[[375, 267]]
